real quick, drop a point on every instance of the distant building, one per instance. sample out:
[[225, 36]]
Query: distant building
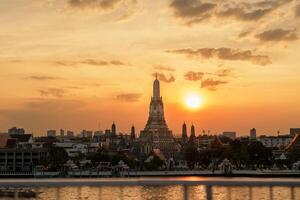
[[294, 131], [16, 131], [184, 134], [281, 141], [51, 133], [98, 133], [62, 132], [113, 130], [253, 134], [193, 133], [204, 141], [230, 134], [21, 160], [70, 134], [86, 134], [132, 133]]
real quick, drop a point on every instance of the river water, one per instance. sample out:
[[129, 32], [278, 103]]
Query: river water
[[158, 191]]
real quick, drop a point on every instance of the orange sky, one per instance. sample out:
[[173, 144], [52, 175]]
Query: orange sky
[[78, 64]]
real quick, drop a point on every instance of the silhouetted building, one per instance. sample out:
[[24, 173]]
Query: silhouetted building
[[193, 134], [281, 141], [253, 134], [21, 160], [51, 133], [62, 132], [16, 131], [230, 134], [184, 134], [70, 134], [113, 130], [156, 132], [132, 133]]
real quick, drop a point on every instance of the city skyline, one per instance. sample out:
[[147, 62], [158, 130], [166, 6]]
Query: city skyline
[[82, 65]]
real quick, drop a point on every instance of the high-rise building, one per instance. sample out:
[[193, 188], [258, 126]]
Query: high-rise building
[[51, 133], [70, 134], [184, 133], [156, 132], [16, 131], [132, 133], [62, 132], [253, 134], [230, 134], [193, 133], [113, 130]]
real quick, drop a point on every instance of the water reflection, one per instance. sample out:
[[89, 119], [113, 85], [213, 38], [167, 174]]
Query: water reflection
[[177, 192]]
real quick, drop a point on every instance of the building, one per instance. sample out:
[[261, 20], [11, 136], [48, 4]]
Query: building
[[70, 134], [184, 134], [51, 133], [193, 133], [253, 134], [16, 131], [86, 134], [156, 132], [230, 134], [62, 132], [113, 130], [132, 133], [21, 160], [294, 131], [204, 141], [280, 141]]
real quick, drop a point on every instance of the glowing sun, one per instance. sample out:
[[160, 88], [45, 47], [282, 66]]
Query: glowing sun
[[193, 101]]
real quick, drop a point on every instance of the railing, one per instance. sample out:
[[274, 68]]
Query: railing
[[185, 182]]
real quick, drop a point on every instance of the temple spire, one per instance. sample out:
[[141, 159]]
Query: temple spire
[[156, 88]]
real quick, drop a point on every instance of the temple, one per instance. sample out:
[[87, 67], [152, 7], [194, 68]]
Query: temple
[[156, 134]]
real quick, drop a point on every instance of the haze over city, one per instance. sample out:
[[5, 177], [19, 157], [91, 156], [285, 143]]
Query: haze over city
[[222, 65]]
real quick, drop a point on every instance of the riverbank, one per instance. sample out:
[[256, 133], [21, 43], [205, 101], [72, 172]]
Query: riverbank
[[203, 173]]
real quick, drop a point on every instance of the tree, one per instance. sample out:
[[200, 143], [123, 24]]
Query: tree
[[191, 155], [155, 164], [57, 156]]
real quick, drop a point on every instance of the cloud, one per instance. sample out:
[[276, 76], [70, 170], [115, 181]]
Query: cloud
[[43, 78], [297, 10], [91, 62], [102, 4], [52, 92], [121, 9], [192, 10], [196, 11], [194, 76], [212, 84], [164, 78], [164, 68], [278, 35], [129, 97], [224, 54], [223, 72]]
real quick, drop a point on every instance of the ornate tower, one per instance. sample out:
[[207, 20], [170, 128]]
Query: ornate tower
[[156, 112], [113, 129], [132, 133], [193, 135], [156, 133], [184, 133]]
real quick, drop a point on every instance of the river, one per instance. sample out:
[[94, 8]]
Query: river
[[176, 188]]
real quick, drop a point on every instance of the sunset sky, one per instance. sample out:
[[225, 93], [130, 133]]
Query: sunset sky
[[82, 64]]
